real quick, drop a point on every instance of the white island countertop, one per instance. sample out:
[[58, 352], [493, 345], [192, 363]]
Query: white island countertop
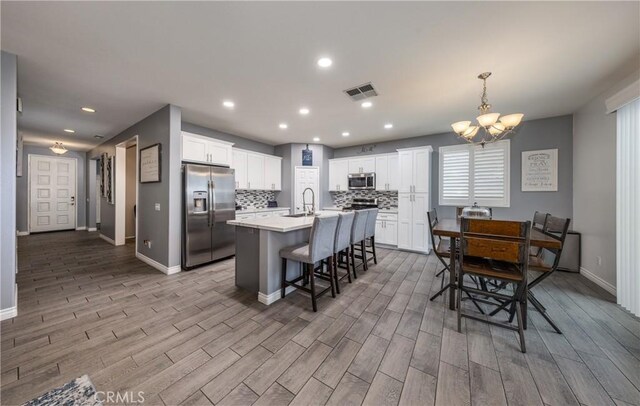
[[280, 224]]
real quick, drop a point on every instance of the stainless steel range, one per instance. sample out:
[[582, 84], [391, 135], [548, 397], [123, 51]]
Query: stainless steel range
[[362, 203]]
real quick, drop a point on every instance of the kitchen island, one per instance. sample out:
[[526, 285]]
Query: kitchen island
[[258, 244]]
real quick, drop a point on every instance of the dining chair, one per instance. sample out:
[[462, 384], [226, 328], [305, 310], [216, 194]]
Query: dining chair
[[319, 247], [538, 223], [547, 261], [497, 250], [442, 249], [357, 249]]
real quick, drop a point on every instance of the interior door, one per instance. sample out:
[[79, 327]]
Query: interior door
[[52, 192], [306, 177]]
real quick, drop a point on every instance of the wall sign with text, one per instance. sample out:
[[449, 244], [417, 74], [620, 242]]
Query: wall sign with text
[[540, 171], [150, 165]]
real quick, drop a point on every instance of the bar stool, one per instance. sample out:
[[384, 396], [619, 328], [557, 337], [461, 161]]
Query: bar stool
[[357, 240], [320, 246], [370, 234], [342, 244]]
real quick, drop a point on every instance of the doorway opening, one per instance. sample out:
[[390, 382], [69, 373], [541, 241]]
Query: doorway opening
[[126, 189], [306, 177]]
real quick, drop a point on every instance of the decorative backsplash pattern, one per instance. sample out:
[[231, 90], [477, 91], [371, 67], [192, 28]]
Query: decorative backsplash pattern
[[254, 198], [386, 200]]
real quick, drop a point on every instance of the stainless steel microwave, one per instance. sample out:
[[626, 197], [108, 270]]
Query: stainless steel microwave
[[362, 181]]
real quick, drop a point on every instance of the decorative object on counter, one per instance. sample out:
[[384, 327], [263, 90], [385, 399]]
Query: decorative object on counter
[[386, 199], [494, 127], [540, 171], [307, 156], [366, 149], [111, 180], [254, 198], [476, 211], [150, 164]]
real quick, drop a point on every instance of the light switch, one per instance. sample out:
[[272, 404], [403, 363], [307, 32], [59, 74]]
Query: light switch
[[157, 206]]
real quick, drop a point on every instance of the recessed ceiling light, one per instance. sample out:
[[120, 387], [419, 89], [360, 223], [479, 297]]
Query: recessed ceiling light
[[388, 126], [325, 62], [89, 109], [284, 126], [304, 111], [228, 104], [67, 130], [316, 139], [345, 134], [366, 105]]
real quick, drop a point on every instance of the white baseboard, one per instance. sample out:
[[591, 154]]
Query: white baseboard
[[598, 280], [268, 299], [169, 270], [21, 233], [8, 313], [92, 229], [83, 228], [11, 312], [107, 239]]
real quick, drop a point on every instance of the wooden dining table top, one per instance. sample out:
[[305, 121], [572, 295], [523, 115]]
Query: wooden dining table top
[[451, 228]]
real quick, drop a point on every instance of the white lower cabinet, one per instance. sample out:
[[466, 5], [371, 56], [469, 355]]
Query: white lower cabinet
[[413, 233], [245, 216], [387, 229]]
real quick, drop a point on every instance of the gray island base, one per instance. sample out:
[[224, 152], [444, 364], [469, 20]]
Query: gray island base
[[258, 244]]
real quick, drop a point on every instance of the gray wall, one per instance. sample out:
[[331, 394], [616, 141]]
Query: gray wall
[[291, 157], [8, 138], [594, 182], [238, 142], [22, 184], [161, 227], [555, 132]]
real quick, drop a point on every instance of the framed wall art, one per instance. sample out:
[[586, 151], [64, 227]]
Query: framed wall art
[[150, 164], [103, 174], [540, 170]]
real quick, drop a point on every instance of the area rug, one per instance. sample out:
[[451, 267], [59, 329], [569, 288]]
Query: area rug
[[79, 392]]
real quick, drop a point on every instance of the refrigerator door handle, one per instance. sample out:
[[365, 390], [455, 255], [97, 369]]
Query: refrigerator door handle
[[210, 190]]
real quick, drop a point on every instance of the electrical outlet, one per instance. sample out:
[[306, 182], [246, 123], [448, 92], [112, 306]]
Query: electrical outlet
[[147, 243], [157, 206], [599, 260]]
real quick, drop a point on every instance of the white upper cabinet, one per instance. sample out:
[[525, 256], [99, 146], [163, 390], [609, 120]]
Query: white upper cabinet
[[197, 148], [272, 173], [414, 170], [362, 165], [387, 172], [255, 171], [240, 165], [338, 175]]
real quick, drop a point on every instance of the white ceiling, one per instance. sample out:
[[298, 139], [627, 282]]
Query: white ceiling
[[129, 59]]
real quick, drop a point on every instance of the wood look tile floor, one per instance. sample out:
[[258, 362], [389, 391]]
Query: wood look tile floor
[[86, 307]]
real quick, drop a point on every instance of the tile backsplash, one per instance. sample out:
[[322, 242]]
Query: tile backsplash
[[386, 200], [254, 198]]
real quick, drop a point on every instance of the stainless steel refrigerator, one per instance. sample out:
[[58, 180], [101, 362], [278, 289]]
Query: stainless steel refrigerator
[[209, 201]]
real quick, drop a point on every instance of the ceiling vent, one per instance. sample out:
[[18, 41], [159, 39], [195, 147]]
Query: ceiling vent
[[361, 92]]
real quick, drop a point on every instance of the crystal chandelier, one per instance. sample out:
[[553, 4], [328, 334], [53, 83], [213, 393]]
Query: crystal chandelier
[[494, 127], [58, 148]]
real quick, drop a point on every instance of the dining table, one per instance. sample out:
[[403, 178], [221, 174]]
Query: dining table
[[451, 228]]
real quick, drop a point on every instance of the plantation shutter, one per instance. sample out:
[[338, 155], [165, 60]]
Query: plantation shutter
[[454, 175], [490, 174]]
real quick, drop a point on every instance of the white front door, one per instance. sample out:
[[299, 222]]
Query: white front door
[[306, 177], [52, 193]]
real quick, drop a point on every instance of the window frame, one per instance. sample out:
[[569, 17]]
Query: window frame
[[505, 202]]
